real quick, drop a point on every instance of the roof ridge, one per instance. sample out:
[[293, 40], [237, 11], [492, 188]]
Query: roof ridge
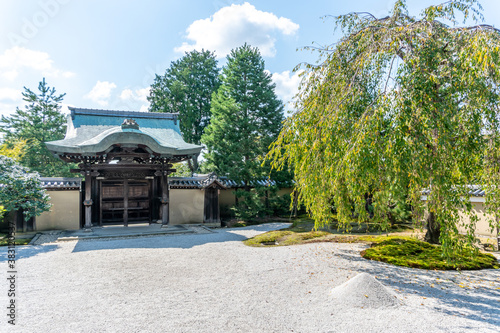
[[121, 113]]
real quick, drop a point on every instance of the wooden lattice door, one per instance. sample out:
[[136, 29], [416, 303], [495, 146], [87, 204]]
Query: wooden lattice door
[[125, 201]]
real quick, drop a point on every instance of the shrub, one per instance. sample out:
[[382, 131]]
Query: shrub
[[280, 205], [250, 204]]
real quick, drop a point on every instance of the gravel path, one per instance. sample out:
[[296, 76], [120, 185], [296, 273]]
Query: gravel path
[[214, 283]]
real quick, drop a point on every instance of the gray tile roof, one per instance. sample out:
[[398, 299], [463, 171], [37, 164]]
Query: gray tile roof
[[91, 131], [474, 191], [61, 183], [185, 182], [198, 181]]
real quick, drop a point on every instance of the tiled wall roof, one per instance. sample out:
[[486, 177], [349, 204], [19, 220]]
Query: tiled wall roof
[[61, 183], [475, 191], [198, 181]]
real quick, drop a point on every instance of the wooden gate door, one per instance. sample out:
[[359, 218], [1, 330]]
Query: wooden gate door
[[125, 201], [211, 211], [139, 201]]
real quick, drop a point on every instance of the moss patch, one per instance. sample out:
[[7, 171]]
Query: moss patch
[[401, 250], [284, 237], [364, 227], [17, 241], [409, 252]]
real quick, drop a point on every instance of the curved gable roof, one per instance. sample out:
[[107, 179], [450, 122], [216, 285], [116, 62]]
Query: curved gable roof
[[90, 132]]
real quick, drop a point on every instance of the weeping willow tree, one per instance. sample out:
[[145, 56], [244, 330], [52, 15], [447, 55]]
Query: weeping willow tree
[[401, 109]]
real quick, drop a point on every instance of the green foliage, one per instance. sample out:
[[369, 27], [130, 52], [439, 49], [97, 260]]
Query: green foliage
[[260, 202], [280, 205], [39, 122], [15, 149], [414, 253], [182, 170], [186, 88], [246, 118], [20, 188], [400, 104], [226, 212], [250, 205], [3, 211]]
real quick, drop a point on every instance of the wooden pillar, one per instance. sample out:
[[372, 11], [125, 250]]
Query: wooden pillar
[[87, 203], [100, 202], [217, 205], [214, 205], [165, 193], [125, 202], [88, 200], [165, 214]]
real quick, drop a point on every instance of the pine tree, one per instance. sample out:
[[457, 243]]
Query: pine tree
[[186, 88], [246, 118], [39, 122]]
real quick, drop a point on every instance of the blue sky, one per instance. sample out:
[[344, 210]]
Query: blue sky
[[104, 54]]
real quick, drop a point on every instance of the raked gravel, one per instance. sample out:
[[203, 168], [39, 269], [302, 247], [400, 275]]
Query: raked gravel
[[214, 283]]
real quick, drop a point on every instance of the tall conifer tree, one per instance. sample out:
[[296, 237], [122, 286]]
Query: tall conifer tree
[[246, 118], [186, 88]]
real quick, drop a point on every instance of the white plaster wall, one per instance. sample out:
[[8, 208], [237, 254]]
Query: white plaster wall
[[186, 206], [64, 213], [482, 226]]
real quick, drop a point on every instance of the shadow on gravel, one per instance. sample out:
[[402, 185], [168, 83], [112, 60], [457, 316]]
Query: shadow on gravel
[[472, 294], [182, 241], [26, 251]]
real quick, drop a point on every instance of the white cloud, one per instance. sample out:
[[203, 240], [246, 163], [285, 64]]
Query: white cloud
[[10, 75], [10, 94], [127, 94], [65, 108], [101, 92], [232, 26], [140, 95], [7, 109], [15, 59], [287, 85], [135, 97], [10, 99]]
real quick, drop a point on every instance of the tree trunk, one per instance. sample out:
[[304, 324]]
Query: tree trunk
[[295, 203], [193, 164], [433, 229], [391, 218]]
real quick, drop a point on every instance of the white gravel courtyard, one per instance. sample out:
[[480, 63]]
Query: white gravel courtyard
[[214, 283]]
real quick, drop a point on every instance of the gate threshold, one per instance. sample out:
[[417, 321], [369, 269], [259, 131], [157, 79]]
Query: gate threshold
[[121, 231]]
